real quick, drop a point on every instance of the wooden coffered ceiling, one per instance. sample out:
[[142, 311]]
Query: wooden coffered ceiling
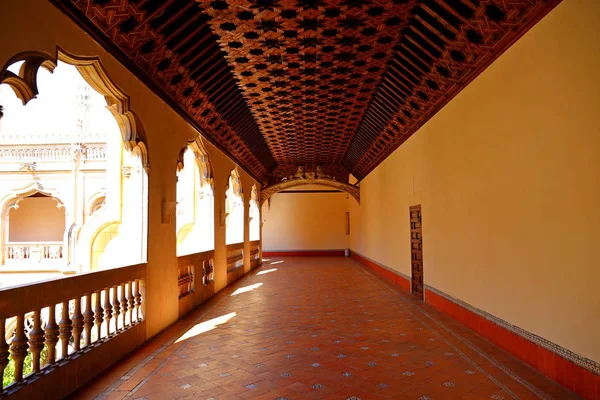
[[279, 84]]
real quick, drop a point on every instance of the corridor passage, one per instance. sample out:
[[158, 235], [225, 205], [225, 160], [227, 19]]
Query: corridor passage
[[319, 328]]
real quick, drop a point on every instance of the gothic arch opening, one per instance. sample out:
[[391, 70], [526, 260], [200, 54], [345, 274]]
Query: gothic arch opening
[[68, 128], [234, 209], [195, 200], [254, 214]]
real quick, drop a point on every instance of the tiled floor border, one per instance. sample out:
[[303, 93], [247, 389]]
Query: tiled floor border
[[571, 370]]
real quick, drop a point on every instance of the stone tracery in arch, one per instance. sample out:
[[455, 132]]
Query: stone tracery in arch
[[25, 85]]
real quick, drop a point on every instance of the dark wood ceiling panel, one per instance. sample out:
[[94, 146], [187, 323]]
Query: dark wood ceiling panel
[[171, 47], [336, 84], [446, 44], [308, 68]]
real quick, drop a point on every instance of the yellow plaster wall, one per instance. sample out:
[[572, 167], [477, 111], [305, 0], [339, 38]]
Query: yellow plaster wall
[[38, 219], [36, 25], [305, 221], [508, 175]]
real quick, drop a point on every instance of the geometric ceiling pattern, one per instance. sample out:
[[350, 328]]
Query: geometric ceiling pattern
[[279, 84]]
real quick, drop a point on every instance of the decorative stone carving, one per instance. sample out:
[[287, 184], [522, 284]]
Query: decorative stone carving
[[269, 191], [126, 171]]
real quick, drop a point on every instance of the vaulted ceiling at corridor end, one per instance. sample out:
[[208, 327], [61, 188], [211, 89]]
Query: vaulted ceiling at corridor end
[[279, 84]]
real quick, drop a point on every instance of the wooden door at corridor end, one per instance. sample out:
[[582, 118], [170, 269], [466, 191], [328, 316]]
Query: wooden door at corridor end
[[416, 252]]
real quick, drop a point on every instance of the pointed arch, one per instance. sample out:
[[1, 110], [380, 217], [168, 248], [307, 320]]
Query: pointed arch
[[269, 191], [254, 214], [25, 86], [234, 209], [195, 200], [127, 201]]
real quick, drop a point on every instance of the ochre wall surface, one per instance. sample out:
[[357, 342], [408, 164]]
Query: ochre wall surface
[[508, 176], [305, 221], [38, 219], [36, 25]]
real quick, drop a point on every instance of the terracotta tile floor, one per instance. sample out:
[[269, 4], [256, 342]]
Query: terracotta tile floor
[[319, 328]]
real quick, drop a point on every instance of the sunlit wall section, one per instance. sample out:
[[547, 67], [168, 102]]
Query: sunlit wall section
[[254, 215], [195, 201], [234, 209]]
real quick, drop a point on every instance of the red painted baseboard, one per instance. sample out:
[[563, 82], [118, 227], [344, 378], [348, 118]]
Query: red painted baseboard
[[581, 381], [304, 253], [578, 379], [386, 273]]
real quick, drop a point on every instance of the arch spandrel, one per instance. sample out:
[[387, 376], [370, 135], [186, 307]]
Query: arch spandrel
[[269, 191]]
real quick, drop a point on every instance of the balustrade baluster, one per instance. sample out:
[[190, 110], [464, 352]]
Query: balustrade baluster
[[131, 299], [51, 334], [18, 348], [88, 319], [138, 300], [116, 306], [78, 322], [124, 303], [3, 350], [65, 329], [98, 312], [36, 341], [107, 310]]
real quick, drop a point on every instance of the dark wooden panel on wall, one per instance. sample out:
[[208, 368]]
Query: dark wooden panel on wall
[[416, 251]]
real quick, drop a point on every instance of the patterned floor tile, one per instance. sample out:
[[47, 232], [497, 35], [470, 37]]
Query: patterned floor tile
[[304, 334]]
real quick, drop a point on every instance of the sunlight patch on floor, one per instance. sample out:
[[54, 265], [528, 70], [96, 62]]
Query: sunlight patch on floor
[[247, 289], [205, 326], [267, 271]]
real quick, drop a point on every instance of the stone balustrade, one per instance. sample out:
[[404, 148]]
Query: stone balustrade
[[50, 152], [46, 325], [38, 138], [235, 256], [255, 258], [195, 279], [235, 262], [33, 251]]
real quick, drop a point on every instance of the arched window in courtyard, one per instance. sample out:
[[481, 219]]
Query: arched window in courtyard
[[254, 215], [234, 208], [36, 228], [72, 164], [195, 201]]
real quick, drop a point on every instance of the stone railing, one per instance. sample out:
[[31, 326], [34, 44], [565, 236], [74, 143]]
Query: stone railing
[[38, 138], [196, 279], [33, 251], [185, 280], [48, 328], [235, 262], [50, 152], [255, 258], [235, 256]]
